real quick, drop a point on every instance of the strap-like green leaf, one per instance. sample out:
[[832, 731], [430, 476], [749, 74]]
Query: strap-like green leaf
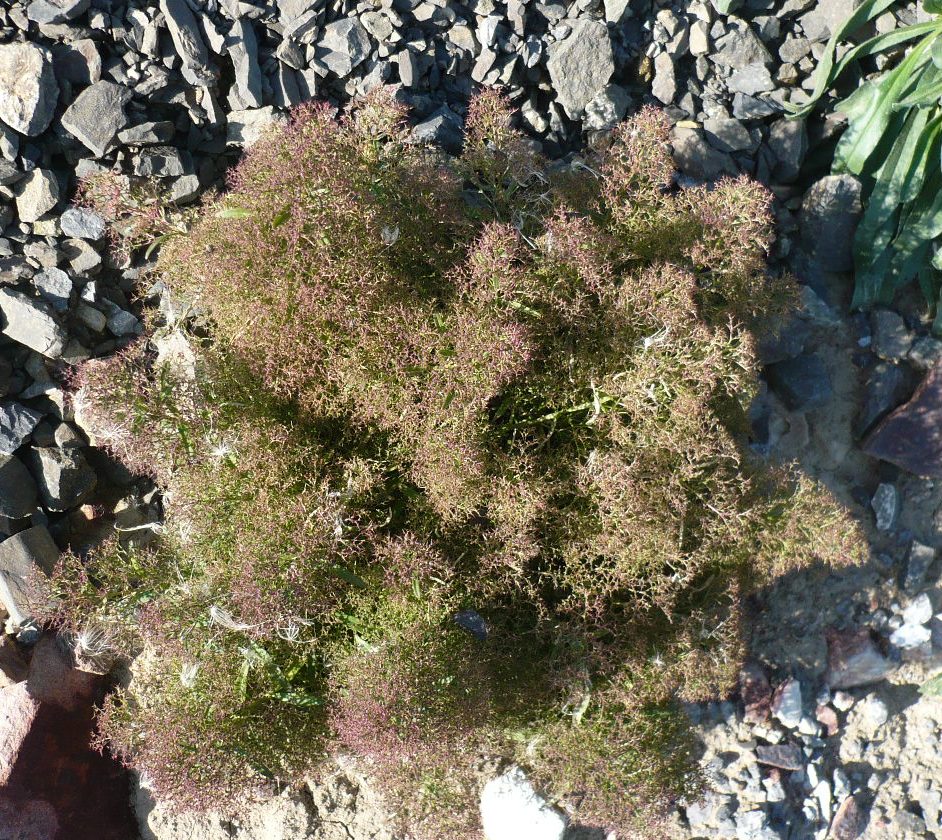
[[871, 113], [826, 71]]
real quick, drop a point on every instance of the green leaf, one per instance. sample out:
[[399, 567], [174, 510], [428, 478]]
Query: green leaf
[[281, 216], [933, 7], [298, 698], [869, 113], [827, 71], [932, 687], [234, 213], [350, 577]]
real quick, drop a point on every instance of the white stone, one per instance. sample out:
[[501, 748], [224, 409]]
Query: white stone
[[885, 504], [911, 636], [512, 810], [919, 611], [787, 704]]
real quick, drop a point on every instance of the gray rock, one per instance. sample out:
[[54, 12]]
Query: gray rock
[[874, 711], [344, 44], [16, 425], [188, 41], [697, 158], [786, 704], [726, 134], [28, 88], [82, 223], [55, 286], [31, 323], [746, 107], [91, 317], [783, 756], [22, 557], [83, 258], [147, 133], [885, 504], [160, 162], [580, 65], [788, 141], [918, 562], [55, 11], [910, 636], [830, 212], [121, 323], [891, 338], [77, 62], [244, 128], [739, 48], [63, 476], [607, 109], [802, 383], [243, 50], [442, 127], [185, 189], [36, 194], [752, 79], [615, 10], [9, 174], [826, 16], [664, 86], [97, 114], [17, 488]]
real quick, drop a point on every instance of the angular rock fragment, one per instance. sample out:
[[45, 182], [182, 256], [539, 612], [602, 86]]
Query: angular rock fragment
[[245, 127], [82, 223], [97, 114], [55, 286], [802, 383], [243, 50], [581, 65], [77, 62], [16, 425], [783, 756], [18, 710], [12, 667], [36, 194], [911, 436], [28, 88], [855, 660], [17, 489], [830, 211], [344, 44], [31, 323], [64, 477], [55, 11], [188, 41], [24, 559]]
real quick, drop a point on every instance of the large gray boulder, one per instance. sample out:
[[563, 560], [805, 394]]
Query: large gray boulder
[[830, 212], [16, 425], [36, 194], [580, 65], [28, 88]]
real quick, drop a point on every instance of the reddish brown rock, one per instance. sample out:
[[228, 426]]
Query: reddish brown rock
[[53, 786], [755, 691], [18, 711], [784, 756], [911, 436], [854, 659], [53, 678], [827, 717], [849, 821]]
